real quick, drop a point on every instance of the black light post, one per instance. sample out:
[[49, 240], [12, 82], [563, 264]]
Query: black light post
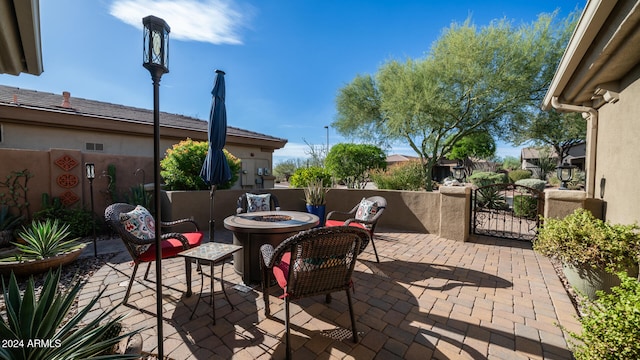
[[91, 174], [156, 60], [565, 174]]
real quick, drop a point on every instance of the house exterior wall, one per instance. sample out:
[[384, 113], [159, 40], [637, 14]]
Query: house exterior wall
[[617, 151]]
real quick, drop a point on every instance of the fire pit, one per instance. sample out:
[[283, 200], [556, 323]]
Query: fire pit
[[271, 218], [252, 230]]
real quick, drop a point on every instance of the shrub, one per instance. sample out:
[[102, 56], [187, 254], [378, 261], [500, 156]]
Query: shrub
[[303, 176], [80, 221], [610, 324], [515, 175], [483, 178], [581, 239], [408, 175], [533, 183], [182, 164], [352, 163], [525, 206]]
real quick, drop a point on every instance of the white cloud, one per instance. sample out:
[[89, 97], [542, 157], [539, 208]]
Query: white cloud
[[213, 21]]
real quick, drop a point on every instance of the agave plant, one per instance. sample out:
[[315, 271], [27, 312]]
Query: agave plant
[[39, 329], [315, 193], [47, 238]]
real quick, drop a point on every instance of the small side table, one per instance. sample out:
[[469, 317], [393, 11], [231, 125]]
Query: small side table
[[211, 253]]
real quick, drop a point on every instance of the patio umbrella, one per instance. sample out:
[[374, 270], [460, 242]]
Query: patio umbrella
[[215, 170]]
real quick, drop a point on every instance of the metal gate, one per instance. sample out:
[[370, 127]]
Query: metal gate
[[507, 211]]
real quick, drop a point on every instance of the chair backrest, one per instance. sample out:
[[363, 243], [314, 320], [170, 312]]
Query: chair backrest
[[243, 205], [112, 218], [322, 259]]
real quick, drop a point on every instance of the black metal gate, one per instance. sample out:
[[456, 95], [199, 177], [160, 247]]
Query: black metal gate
[[507, 211]]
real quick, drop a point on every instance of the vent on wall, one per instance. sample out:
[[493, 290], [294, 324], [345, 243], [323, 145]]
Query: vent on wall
[[94, 147]]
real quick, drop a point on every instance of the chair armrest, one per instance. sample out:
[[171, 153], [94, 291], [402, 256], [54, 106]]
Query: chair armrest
[[267, 252], [179, 222], [179, 236]]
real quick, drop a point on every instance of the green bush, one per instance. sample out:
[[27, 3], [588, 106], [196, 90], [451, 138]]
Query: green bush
[[408, 175], [515, 175], [182, 164], [533, 183], [80, 221], [303, 176], [525, 206], [580, 239], [483, 178], [611, 324]]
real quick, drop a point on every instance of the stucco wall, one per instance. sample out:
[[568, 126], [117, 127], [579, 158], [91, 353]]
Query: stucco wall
[[618, 152]]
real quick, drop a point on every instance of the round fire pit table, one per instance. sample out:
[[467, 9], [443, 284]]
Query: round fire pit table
[[252, 230]]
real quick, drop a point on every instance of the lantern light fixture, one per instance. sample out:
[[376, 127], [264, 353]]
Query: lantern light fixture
[[565, 174], [156, 45], [91, 170]]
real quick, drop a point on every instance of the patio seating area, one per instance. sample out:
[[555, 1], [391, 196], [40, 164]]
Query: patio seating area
[[427, 298]]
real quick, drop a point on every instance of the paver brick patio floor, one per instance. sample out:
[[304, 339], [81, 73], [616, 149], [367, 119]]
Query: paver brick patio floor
[[428, 298]]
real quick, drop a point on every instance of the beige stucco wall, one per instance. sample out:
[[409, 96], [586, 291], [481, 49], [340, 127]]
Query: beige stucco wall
[[618, 152]]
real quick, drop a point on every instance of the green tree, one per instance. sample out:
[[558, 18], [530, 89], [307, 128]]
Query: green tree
[[472, 80], [351, 163], [478, 145], [285, 169], [552, 128], [511, 163]]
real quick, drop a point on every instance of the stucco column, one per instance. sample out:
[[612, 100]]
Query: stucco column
[[455, 212], [560, 203]]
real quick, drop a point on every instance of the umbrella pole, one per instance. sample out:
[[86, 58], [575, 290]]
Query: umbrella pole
[[212, 222]]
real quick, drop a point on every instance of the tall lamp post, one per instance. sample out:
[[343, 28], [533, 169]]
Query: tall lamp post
[[156, 60], [327, 127], [91, 174]]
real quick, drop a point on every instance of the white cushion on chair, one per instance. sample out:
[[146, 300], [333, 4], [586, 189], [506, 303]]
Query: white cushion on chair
[[139, 223], [366, 210], [260, 202]]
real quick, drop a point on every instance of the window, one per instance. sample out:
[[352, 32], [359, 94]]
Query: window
[[94, 146]]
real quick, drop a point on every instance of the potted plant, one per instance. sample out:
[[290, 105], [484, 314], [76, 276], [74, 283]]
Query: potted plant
[[590, 250], [47, 244], [315, 197], [8, 222]]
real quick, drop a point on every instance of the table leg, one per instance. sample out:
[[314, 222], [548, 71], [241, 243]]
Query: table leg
[[200, 296], [224, 291], [213, 304]]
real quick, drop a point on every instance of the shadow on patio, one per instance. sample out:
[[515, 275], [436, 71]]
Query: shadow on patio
[[428, 298]]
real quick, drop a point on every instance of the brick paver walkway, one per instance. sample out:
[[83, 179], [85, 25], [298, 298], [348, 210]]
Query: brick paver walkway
[[428, 298]]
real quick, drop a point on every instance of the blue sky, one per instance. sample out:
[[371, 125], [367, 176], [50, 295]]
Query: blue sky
[[285, 60]]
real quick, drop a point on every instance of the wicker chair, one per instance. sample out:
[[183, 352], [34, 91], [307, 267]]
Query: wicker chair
[[369, 225], [243, 204], [172, 243], [313, 262]]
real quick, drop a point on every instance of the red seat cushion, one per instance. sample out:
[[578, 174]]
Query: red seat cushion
[[171, 247], [281, 271], [341, 223]]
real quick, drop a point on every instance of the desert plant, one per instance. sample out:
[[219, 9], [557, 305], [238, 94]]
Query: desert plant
[[8, 221], [610, 324], [525, 206], [303, 176], [408, 175], [80, 221], [532, 183], [45, 239], [580, 239], [483, 178], [315, 193], [515, 175], [45, 319], [182, 164]]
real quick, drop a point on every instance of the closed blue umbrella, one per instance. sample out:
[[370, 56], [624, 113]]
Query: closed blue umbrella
[[215, 170]]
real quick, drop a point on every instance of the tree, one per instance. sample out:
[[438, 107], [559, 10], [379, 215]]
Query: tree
[[351, 163], [478, 145], [285, 169], [561, 131], [511, 163], [472, 80]]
